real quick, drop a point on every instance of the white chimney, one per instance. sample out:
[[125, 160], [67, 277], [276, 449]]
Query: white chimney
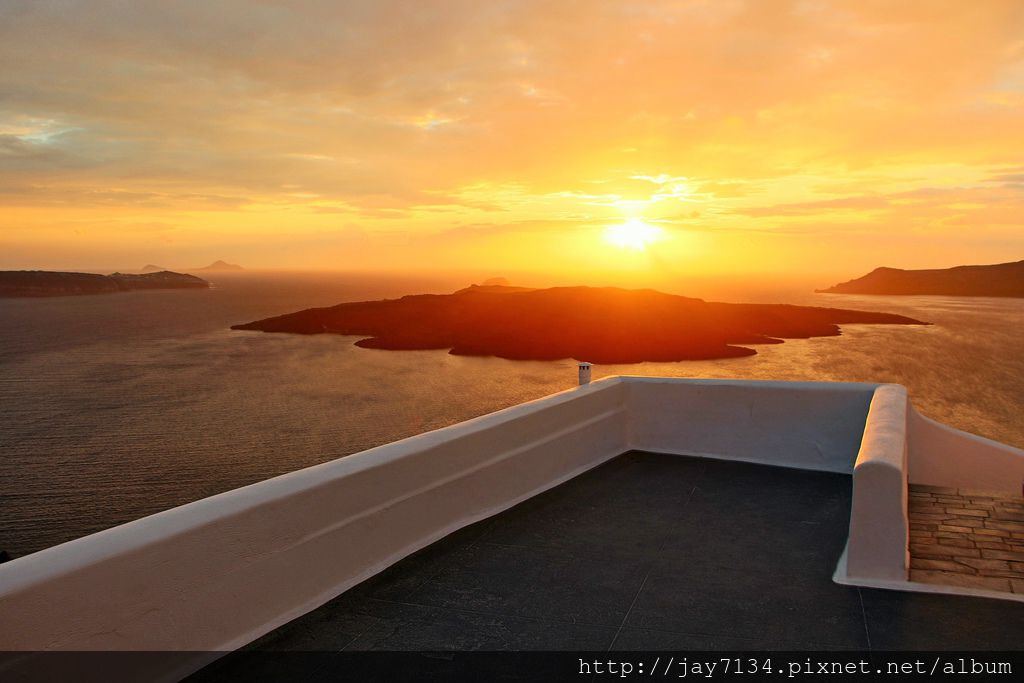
[[584, 373]]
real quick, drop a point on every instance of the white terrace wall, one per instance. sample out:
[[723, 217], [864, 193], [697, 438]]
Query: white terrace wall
[[220, 572], [900, 447], [807, 425], [943, 456], [878, 545]]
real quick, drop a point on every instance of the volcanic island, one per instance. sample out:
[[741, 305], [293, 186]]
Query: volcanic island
[[605, 325]]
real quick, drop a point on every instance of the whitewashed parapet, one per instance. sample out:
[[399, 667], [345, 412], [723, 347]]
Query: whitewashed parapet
[[216, 574], [806, 425], [877, 549], [943, 456]]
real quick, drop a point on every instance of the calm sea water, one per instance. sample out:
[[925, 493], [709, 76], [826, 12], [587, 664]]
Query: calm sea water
[[119, 406]]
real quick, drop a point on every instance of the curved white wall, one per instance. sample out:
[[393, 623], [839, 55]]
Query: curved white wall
[[877, 548], [901, 447], [943, 456]]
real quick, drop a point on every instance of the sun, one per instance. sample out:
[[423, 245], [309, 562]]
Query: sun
[[633, 234]]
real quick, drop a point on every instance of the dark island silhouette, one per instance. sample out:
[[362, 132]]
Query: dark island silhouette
[[601, 325], [1001, 279], [35, 283]]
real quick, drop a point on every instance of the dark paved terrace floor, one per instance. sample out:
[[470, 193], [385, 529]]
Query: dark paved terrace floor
[[649, 552]]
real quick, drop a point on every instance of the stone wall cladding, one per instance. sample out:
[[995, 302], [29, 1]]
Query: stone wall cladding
[[962, 537]]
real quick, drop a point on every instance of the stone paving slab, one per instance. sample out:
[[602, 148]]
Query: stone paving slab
[[961, 537]]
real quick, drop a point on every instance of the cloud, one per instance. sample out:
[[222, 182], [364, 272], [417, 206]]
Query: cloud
[[860, 203], [1010, 179], [431, 113], [68, 196]]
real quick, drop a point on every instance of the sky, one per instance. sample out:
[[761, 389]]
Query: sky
[[595, 139]]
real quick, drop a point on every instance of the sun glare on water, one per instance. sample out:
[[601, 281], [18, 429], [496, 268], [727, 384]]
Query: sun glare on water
[[633, 234]]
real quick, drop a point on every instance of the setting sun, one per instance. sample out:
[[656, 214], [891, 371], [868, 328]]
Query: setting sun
[[633, 234]]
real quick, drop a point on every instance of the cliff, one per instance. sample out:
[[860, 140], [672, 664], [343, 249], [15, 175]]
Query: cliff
[[1001, 279], [32, 283], [164, 279]]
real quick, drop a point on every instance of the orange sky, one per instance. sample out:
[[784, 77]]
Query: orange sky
[[763, 136]]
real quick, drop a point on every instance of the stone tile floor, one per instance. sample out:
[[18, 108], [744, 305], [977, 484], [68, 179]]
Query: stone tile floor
[[646, 552], [966, 538]]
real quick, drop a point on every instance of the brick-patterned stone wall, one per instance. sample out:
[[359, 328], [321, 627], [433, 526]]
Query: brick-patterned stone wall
[[966, 538]]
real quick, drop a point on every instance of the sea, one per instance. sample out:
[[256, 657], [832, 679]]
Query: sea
[[113, 407]]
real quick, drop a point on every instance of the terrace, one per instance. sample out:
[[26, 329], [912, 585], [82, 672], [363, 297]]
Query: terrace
[[647, 552], [632, 513]]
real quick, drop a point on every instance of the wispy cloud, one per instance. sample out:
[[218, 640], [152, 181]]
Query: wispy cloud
[[459, 112]]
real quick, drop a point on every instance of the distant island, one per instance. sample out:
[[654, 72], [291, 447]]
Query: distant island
[[601, 325], [35, 283], [215, 267], [220, 267], [1001, 279]]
